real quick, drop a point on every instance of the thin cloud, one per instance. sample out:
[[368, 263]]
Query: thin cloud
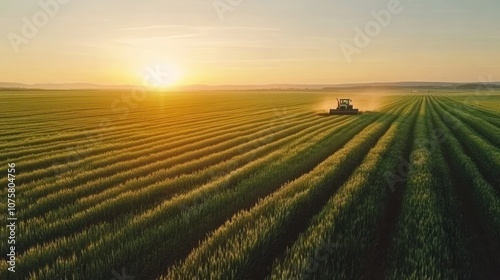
[[201, 28]]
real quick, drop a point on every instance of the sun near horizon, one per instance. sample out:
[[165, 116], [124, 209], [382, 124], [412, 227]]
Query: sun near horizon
[[253, 42]]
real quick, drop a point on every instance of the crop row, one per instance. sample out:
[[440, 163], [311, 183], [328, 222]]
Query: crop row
[[132, 139], [89, 124], [489, 131], [235, 249], [163, 165], [113, 160], [51, 250], [474, 106], [336, 243], [427, 240], [156, 186], [148, 160], [484, 196], [207, 207], [486, 155], [123, 133]]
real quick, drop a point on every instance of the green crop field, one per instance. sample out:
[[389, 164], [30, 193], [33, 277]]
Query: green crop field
[[251, 185]]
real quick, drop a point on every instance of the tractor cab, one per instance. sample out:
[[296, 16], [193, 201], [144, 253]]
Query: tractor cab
[[344, 104], [344, 107]]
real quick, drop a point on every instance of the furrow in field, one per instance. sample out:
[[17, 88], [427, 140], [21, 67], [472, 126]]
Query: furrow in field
[[107, 164], [245, 246], [146, 176], [390, 173], [345, 235], [113, 228], [428, 237], [118, 133], [490, 132], [476, 109], [61, 246], [188, 133], [221, 198], [160, 189], [108, 159], [480, 204], [486, 155], [96, 146], [116, 122], [133, 151], [235, 196], [89, 122]]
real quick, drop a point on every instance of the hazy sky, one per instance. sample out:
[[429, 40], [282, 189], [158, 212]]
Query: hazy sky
[[252, 42]]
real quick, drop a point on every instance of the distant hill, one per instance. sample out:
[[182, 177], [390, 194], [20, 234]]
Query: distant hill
[[63, 86], [476, 85], [77, 86]]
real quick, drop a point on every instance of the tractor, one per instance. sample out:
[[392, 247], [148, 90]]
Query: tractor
[[344, 107]]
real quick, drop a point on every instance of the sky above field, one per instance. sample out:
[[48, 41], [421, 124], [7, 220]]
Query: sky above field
[[249, 42]]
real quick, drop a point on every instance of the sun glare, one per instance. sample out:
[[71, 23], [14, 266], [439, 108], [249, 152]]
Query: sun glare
[[160, 76]]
